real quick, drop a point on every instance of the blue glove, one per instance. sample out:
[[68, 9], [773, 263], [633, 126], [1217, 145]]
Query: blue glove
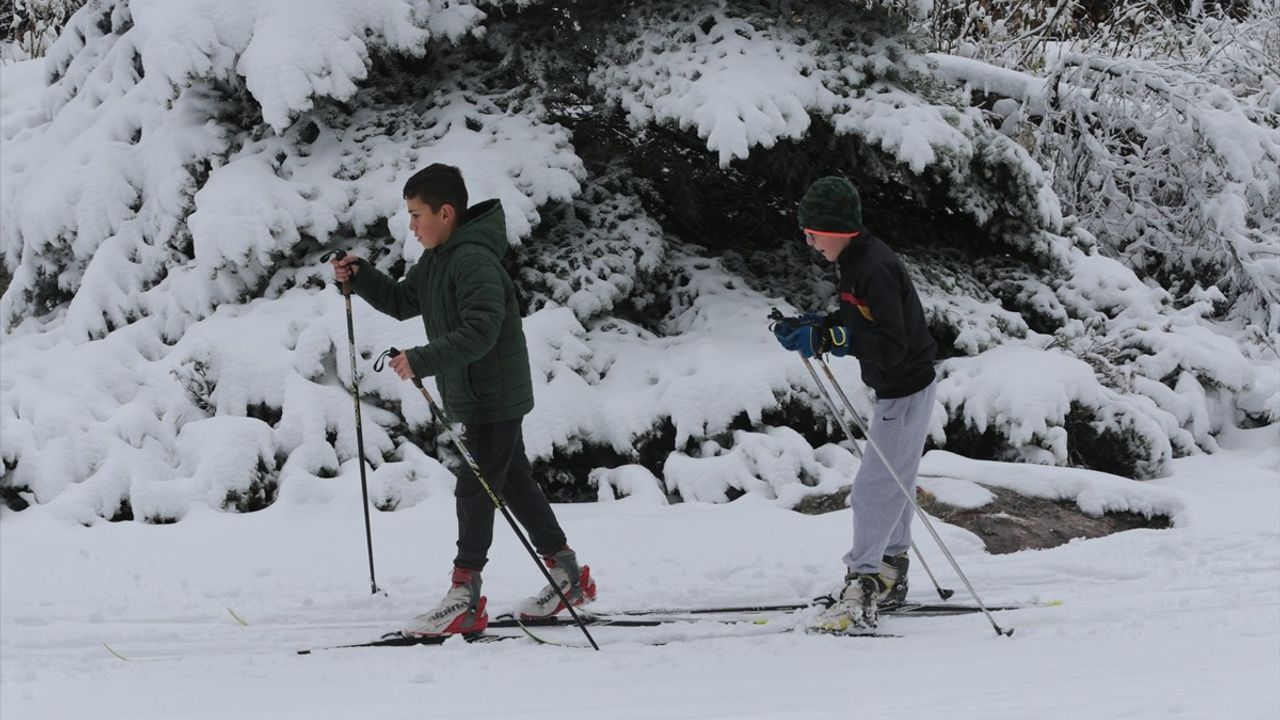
[[835, 337], [784, 327], [807, 340], [802, 334], [812, 334], [837, 340]]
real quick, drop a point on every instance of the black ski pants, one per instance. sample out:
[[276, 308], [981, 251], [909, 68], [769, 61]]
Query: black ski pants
[[498, 449]]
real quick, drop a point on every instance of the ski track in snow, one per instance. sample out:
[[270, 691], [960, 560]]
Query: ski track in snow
[[1180, 623]]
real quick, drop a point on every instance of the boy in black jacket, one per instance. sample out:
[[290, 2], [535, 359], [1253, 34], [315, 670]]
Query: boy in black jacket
[[882, 324]]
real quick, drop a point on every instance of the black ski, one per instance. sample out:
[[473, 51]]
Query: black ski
[[527, 626], [399, 639], [653, 618], [673, 616], [824, 601], [508, 621], [944, 609]]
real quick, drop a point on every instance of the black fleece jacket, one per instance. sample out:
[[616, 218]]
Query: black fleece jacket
[[885, 321]]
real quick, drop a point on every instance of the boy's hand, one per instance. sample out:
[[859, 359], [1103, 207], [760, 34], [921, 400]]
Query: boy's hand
[[345, 267], [784, 328], [807, 340], [813, 335], [400, 363]]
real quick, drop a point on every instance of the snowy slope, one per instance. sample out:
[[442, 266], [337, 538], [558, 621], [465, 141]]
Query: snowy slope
[[1174, 623]]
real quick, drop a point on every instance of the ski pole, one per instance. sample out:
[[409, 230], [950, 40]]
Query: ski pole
[[355, 400], [438, 414], [944, 593], [919, 511], [857, 450]]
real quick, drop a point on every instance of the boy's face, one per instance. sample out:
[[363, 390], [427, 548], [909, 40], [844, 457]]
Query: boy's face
[[829, 244], [431, 227]]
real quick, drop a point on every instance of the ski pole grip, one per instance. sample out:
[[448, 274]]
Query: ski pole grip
[[338, 254], [381, 362]]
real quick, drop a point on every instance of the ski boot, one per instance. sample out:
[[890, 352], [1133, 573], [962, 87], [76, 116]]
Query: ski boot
[[574, 581], [855, 609], [893, 575], [462, 611]]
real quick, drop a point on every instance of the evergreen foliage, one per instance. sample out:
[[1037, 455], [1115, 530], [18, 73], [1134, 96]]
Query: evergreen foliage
[[1092, 195]]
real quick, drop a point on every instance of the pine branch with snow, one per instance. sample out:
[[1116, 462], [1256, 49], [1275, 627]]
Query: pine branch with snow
[[165, 203]]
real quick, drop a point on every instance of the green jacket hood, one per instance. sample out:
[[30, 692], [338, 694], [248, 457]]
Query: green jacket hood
[[484, 224]]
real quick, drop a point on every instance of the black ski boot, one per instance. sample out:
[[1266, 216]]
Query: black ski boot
[[893, 575]]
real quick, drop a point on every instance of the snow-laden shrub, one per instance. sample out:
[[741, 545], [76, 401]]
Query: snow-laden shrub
[[168, 187], [760, 463], [965, 316], [1159, 123], [1175, 176], [138, 169], [1026, 396], [699, 69], [31, 26], [634, 481], [234, 455], [408, 478], [609, 383], [596, 253]]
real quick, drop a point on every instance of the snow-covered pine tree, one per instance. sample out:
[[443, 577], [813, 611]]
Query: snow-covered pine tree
[[29, 27], [1158, 122], [173, 173]]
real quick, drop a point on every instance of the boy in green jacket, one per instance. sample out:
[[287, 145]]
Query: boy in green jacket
[[478, 356]]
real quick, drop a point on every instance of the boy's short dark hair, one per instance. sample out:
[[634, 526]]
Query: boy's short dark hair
[[436, 185]]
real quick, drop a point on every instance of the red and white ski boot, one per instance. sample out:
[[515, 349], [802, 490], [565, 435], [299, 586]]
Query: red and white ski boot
[[462, 611], [574, 581]]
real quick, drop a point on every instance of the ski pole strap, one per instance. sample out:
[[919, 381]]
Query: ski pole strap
[[436, 411], [338, 254], [381, 362]]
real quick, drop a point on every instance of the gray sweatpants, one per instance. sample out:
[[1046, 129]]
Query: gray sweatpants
[[881, 513]]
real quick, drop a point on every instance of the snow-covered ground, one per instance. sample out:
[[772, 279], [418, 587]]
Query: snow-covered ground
[[1180, 623]]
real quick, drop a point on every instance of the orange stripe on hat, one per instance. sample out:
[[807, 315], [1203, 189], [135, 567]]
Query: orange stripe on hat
[[833, 234]]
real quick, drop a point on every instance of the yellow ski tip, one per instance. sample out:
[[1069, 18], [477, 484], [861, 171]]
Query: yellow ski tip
[[237, 617]]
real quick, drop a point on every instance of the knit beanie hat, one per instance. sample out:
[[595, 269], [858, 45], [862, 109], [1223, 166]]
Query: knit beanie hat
[[831, 204]]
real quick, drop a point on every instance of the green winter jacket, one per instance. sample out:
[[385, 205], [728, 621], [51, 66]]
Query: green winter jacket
[[477, 350]]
